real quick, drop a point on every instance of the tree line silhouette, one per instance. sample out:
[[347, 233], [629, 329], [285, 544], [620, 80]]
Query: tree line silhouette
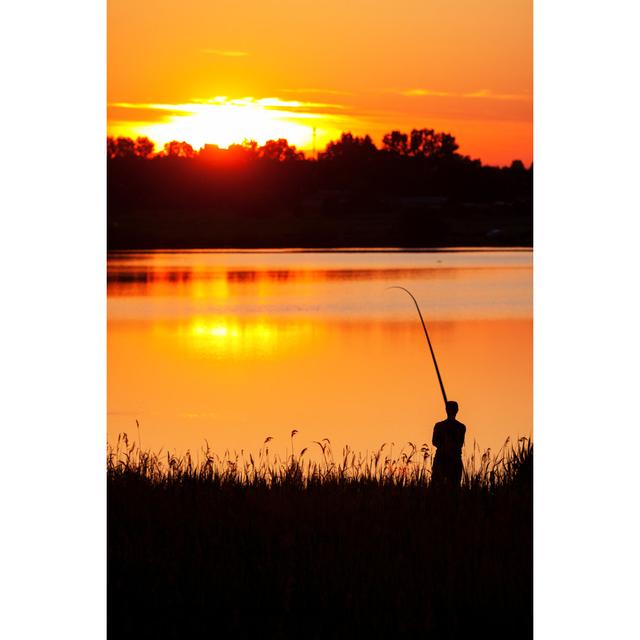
[[415, 190]]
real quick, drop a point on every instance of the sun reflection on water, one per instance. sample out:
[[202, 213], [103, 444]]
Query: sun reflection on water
[[227, 336]]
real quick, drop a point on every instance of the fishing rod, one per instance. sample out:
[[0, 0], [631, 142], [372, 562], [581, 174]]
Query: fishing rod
[[424, 326]]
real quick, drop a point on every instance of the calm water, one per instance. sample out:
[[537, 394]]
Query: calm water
[[233, 347]]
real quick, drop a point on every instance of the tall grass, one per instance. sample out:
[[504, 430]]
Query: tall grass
[[411, 466], [318, 545]]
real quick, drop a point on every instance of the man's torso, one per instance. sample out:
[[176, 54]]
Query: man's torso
[[450, 434]]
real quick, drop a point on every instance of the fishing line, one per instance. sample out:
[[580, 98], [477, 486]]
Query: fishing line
[[426, 333]]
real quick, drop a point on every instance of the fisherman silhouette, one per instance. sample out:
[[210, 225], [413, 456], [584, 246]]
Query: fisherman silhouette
[[448, 438]]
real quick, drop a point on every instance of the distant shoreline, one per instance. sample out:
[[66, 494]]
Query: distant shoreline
[[468, 249], [199, 229], [363, 197]]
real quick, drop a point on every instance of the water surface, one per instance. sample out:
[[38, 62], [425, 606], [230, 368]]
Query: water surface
[[231, 347]]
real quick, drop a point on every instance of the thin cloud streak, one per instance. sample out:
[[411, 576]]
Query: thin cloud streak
[[485, 94], [424, 92], [224, 53], [311, 91], [181, 108], [270, 103]]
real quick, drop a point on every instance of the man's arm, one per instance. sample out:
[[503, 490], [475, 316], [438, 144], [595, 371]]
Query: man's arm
[[436, 440]]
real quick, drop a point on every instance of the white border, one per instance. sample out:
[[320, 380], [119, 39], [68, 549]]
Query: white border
[[53, 558], [53, 328], [586, 319]]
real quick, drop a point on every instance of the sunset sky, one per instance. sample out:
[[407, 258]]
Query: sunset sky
[[220, 71]]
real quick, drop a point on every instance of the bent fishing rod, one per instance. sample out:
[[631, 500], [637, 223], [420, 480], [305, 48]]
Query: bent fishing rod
[[426, 333]]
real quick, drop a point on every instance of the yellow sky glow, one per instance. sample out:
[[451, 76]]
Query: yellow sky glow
[[224, 121]]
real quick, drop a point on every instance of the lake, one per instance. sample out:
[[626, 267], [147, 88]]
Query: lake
[[230, 347]]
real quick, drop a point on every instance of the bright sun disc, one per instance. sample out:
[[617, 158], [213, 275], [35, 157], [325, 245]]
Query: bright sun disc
[[223, 122]]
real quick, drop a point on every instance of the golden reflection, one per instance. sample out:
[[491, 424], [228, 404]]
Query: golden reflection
[[203, 282], [211, 287], [222, 336]]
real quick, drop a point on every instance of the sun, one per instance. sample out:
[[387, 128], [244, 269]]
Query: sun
[[223, 121]]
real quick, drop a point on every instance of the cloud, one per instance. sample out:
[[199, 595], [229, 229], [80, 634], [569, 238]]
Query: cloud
[[271, 103], [312, 90], [225, 53], [485, 94], [143, 105], [424, 92], [296, 105], [195, 105], [146, 112], [294, 110]]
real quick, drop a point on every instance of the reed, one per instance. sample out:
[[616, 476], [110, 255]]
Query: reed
[[411, 466], [318, 543]]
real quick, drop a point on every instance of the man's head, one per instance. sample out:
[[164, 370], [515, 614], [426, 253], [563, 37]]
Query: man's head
[[452, 409]]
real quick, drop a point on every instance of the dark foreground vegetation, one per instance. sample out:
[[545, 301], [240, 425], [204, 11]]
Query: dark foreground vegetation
[[357, 548], [414, 191]]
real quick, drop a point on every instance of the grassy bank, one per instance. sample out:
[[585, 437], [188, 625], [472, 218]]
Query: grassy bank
[[331, 548]]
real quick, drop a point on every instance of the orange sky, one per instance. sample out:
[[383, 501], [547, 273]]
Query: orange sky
[[219, 71]]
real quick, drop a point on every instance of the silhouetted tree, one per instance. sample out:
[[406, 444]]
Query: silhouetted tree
[[112, 147], [350, 147], [144, 147], [279, 150], [446, 145], [251, 147], [426, 143], [175, 149], [241, 153], [121, 147], [396, 143], [416, 189], [422, 142]]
